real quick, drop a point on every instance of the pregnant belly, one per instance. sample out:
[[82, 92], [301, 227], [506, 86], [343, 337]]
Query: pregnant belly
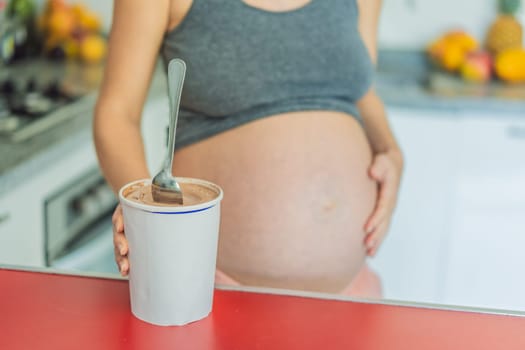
[[297, 196]]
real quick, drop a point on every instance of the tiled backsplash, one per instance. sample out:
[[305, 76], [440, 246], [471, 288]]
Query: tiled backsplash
[[405, 24]]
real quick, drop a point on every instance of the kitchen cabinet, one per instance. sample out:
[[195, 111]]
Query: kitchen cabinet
[[21, 228], [493, 146], [486, 259], [458, 233], [410, 261]]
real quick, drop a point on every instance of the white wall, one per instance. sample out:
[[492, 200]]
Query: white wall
[[102, 7], [413, 23], [405, 24]]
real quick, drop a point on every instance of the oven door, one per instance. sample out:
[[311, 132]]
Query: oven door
[[92, 253], [78, 229]]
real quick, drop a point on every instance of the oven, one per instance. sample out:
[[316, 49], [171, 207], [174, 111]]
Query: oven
[[78, 228]]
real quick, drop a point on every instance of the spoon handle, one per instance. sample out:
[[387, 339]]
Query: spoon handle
[[176, 73]]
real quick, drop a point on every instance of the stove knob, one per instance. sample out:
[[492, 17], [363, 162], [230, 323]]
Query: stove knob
[[53, 90], [87, 205], [31, 85], [8, 87]]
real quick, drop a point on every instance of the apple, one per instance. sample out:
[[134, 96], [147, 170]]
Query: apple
[[477, 67]]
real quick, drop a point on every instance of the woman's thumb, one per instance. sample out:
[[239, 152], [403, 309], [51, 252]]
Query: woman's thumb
[[378, 168]]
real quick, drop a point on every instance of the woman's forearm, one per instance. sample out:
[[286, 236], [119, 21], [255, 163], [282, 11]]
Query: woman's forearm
[[137, 31], [119, 148], [376, 126]]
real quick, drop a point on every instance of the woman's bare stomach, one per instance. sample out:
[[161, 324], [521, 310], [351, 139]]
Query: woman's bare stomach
[[297, 196]]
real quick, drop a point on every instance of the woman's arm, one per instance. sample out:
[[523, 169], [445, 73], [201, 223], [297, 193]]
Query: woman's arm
[[370, 106], [387, 165], [136, 34]]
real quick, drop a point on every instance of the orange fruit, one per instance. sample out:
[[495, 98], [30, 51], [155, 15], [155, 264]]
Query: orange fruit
[[449, 51], [452, 58], [54, 5], [90, 22], [510, 65], [464, 40], [57, 5], [60, 23], [86, 19], [51, 42]]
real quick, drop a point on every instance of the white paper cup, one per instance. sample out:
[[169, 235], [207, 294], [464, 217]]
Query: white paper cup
[[172, 256]]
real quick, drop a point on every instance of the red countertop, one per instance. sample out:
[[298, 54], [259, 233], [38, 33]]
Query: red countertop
[[51, 311]]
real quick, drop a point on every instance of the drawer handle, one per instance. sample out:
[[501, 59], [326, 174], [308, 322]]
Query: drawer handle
[[4, 217], [516, 132]]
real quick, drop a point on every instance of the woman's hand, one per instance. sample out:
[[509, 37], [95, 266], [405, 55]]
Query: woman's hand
[[120, 242], [386, 170]]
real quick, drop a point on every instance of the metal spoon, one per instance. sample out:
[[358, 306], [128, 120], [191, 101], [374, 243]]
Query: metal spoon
[[164, 186]]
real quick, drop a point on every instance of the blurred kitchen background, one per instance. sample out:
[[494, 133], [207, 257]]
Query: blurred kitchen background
[[452, 76]]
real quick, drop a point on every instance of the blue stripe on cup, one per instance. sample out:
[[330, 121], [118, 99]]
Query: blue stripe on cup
[[181, 212]]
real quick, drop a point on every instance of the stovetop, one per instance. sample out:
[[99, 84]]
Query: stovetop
[[35, 96]]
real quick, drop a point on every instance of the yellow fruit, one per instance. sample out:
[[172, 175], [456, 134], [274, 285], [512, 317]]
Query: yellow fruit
[[463, 39], [90, 22], [78, 9], [93, 49], [86, 19], [505, 33], [51, 42], [71, 48], [471, 73], [54, 5], [450, 50], [57, 5], [510, 65], [452, 58], [60, 23]]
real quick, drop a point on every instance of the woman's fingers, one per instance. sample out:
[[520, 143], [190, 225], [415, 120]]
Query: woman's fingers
[[384, 207], [377, 225], [374, 238], [119, 239], [124, 267], [120, 242], [117, 218], [122, 263], [381, 211], [383, 170], [121, 260], [373, 241], [379, 168], [379, 172]]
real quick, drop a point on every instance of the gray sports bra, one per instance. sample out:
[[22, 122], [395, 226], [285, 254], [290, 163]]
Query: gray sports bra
[[244, 63]]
